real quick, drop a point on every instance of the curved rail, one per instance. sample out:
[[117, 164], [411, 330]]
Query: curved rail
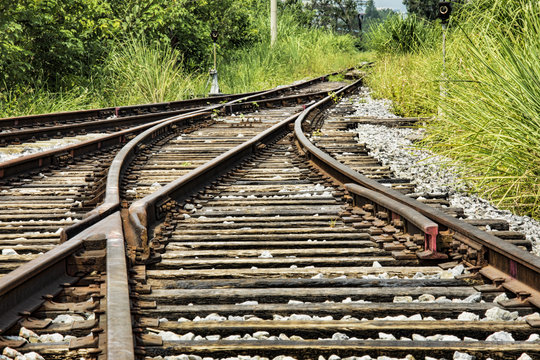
[[160, 128], [420, 222], [120, 111], [34, 162], [143, 213], [130, 110], [507, 258], [105, 221], [126, 121]]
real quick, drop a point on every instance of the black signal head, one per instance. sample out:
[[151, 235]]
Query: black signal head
[[445, 9], [214, 35]]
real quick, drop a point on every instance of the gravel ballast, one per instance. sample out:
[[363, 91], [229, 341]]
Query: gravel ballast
[[394, 147]]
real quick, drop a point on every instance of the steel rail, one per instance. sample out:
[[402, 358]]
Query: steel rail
[[429, 228], [23, 288], [509, 259], [101, 125], [122, 111], [144, 212], [128, 152], [51, 269], [34, 162]]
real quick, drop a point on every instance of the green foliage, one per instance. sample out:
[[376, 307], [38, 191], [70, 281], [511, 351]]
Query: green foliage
[[138, 72], [62, 43], [39, 100], [52, 41], [403, 35], [299, 52], [491, 121], [426, 9], [303, 15], [410, 80], [489, 107], [339, 15], [126, 52]]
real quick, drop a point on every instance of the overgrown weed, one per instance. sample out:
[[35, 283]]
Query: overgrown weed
[[489, 118]]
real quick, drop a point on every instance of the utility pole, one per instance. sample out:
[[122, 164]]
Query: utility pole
[[273, 21]]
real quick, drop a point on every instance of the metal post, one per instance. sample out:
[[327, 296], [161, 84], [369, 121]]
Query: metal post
[[444, 27], [214, 88], [273, 21], [442, 85], [445, 9], [215, 57]]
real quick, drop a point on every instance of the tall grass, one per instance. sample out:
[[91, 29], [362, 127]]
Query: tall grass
[[40, 100], [298, 52], [410, 80], [403, 35], [407, 70], [490, 118], [138, 72], [492, 121]]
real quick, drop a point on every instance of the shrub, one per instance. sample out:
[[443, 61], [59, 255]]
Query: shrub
[[398, 34], [492, 117], [139, 72]]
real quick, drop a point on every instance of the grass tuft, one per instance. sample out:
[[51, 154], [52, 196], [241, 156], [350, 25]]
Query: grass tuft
[[139, 72], [489, 120]]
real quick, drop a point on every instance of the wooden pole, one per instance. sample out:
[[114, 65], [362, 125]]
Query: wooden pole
[[273, 21]]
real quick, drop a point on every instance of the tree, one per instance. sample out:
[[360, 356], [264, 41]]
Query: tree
[[426, 9], [61, 43], [371, 10], [339, 15], [302, 14]]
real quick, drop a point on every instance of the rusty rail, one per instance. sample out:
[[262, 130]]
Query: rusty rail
[[145, 211], [128, 152], [34, 162], [51, 269], [121, 111], [509, 259], [422, 223], [131, 121]]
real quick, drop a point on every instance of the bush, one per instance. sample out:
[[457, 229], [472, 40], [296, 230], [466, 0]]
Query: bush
[[491, 123], [490, 108], [403, 35], [138, 72]]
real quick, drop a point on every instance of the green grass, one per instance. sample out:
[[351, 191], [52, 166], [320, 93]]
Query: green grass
[[411, 81], [41, 101], [138, 72], [298, 53], [399, 35], [489, 120]]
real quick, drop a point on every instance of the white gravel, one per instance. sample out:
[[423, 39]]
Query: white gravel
[[15, 151], [393, 147], [456, 356]]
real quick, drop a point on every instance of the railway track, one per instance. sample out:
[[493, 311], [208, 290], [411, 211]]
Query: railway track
[[20, 132], [38, 207], [269, 250], [335, 136]]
